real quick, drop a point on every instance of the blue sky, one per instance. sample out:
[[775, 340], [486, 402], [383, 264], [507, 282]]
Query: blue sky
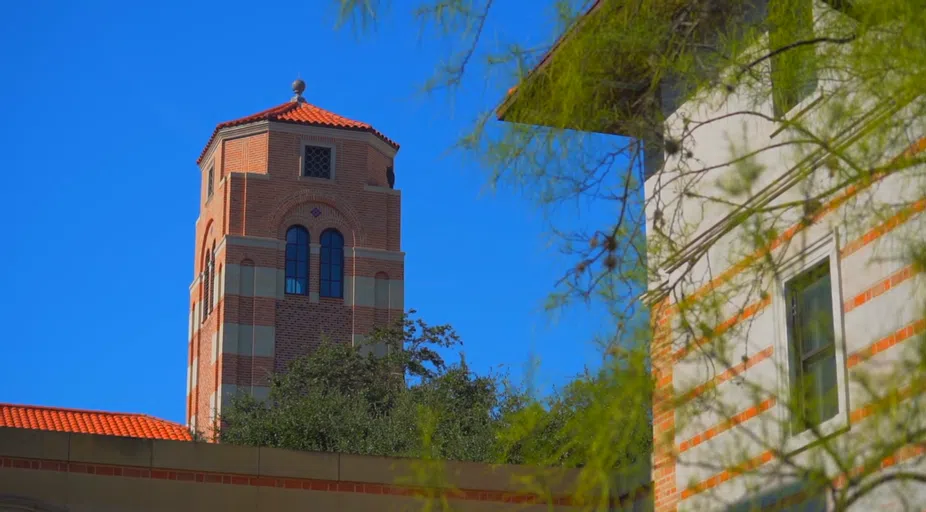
[[106, 106]]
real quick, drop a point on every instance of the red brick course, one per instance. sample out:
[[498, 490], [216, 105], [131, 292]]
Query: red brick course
[[246, 370], [259, 193], [313, 484], [665, 492]]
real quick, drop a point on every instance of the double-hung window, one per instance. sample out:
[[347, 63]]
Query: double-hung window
[[812, 347]]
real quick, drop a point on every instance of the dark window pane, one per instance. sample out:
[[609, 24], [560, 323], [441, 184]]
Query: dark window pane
[[316, 162], [821, 399], [799, 496], [297, 260], [794, 72], [816, 308], [331, 264]]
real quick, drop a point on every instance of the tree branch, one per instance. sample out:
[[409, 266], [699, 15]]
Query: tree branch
[[796, 44]]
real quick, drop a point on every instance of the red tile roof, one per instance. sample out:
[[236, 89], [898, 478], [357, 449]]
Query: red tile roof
[[300, 113], [91, 422]]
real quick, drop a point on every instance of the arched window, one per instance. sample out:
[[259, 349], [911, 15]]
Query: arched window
[[332, 264], [297, 260]]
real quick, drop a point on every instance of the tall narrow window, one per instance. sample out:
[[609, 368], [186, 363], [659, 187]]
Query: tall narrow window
[[332, 264], [216, 283], [211, 278], [297, 260], [204, 306], [812, 347], [316, 162], [210, 179], [794, 71]]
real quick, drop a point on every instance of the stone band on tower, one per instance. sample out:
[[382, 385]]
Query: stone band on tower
[[298, 239]]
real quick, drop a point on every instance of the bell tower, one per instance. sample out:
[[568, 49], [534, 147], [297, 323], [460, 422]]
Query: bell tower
[[298, 240]]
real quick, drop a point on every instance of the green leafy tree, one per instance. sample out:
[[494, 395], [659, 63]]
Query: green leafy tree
[[352, 400], [837, 87], [381, 398], [600, 419]]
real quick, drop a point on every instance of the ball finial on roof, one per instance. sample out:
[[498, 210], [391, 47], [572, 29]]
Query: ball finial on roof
[[298, 88]]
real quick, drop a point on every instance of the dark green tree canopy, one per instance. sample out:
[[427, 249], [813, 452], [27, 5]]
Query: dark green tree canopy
[[409, 401]]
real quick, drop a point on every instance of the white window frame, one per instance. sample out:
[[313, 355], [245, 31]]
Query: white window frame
[[334, 159], [825, 247]]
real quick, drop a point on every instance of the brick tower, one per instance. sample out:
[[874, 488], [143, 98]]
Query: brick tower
[[298, 237]]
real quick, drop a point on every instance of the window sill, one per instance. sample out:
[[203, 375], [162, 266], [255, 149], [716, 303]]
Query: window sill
[[382, 190], [311, 296], [830, 428], [311, 179]]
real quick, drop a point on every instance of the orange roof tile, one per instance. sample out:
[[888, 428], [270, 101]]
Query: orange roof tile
[[91, 422], [300, 112]]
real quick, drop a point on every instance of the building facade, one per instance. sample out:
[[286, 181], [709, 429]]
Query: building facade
[[787, 301], [774, 365], [788, 304], [298, 241]]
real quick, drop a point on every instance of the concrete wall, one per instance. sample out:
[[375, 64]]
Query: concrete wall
[[78, 472], [878, 296]]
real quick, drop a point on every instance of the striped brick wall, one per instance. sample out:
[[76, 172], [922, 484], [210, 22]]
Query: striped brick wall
[[255, 328]]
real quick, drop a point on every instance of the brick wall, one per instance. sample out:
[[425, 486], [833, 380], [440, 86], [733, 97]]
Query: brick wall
[[665, 493], [301, 325], [258, 194]]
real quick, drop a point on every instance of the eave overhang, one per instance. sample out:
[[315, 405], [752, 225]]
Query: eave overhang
[[533, 100], [619, 96]]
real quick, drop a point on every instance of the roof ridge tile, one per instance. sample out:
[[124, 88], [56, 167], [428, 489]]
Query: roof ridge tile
[[299, 112]]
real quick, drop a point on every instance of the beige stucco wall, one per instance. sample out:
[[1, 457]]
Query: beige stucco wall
[[79, 472], [868, 251]]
